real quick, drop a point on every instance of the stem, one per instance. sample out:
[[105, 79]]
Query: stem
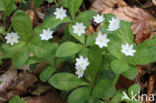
[[138, 2], [56, 2], [5, 21], [9, 28], [84, 7], [2, 38]]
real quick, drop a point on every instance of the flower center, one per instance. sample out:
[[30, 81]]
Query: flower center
[[101, 41], [47, 34], [12, 37], [61, 13], [79, 28], [127, 50], [82, 64]]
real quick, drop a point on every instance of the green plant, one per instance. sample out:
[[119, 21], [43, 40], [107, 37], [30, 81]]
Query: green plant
[[100, 57]]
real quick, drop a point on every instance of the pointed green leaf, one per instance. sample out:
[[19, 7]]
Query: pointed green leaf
[[67, 49], [46, 73], [18, 52], [66, 81], [22, 25], [73, 6], [134, 90], [79, 95], [7, 6], [131, 73], [119, 66], [51, 23], [15, 99], [104, 89], [43, 49], [143, 56]]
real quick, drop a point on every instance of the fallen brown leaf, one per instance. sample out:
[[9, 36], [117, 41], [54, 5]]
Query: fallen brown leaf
[[50, 97], [14, 83]]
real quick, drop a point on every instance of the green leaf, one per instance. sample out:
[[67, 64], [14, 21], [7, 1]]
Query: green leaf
[[23, 101], [84, 52], [146, 43], [135, 89], [104, 89], [79, 38], [90, 41], [15, 99], [79, 95], [114, 47], [37, 3], [105, 74], [43, 49], [95, 59], [8, 6], [22, 25], [84, 17], [119, 66], [46, 73], [93, 99], [117, 97], [50, 1], [124, 33], [18, 52], [51, 23], [66, 81], [64, 3], [67, 49], [73, 6], [143, 56], [131, 73]]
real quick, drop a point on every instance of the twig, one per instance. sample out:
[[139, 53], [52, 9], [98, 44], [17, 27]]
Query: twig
[[56, 3]]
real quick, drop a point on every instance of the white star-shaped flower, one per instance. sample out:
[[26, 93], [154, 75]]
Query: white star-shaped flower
[[47, 34], [79, 28], [79, 71], [102, 40], [60, 13], [128, 49], [82, 62], [114, 24], [98, 19], [12, 38]]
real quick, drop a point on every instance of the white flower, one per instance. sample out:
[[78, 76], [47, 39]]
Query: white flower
[[98, 19], [12, 38], [114, 24], [128, 49], [60, 13], [47, 34], [79, 71], [79, 28], [82, 62], [102, 40]]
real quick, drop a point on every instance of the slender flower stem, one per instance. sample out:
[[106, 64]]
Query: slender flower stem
[[138, 2], [5, 21], [56, 3], [9, 28]]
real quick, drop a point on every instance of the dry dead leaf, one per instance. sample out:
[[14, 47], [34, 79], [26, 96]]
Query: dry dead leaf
[[50, 97], [14, 83], [40, 89], [154, 2]]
